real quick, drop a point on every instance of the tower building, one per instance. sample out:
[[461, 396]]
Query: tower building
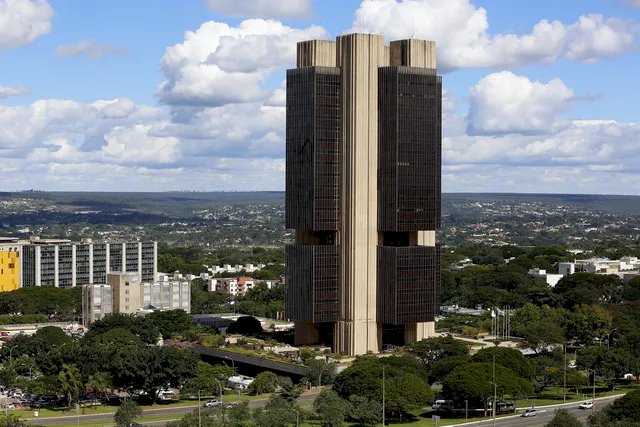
[[363, 163]]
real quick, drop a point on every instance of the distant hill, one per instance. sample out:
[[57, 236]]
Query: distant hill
[[618, 204]]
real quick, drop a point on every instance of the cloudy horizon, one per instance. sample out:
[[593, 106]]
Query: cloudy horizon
[[110, 96]]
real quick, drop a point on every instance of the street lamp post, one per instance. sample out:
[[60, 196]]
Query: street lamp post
[[233, 365], [609, 337], [199, 415], [297, 416], [495, 390], [466, 410], [593, 398], [383, 398], [564, 388], [10, 351]]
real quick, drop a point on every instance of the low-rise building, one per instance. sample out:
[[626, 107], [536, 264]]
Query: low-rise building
[[239, 382], [126, 293], [551, 279], [234, 286]]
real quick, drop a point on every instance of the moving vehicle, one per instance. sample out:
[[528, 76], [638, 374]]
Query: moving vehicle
[[530, 413], [586, 405], [213, 403]]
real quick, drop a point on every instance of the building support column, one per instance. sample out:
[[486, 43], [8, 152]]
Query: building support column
[[306, 333]]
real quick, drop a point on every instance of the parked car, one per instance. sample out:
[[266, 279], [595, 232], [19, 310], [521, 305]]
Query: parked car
[[213, 403], [442, 405], [586, 405], [530, 413]]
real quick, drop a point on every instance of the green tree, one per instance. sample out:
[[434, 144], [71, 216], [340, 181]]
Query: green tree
[[564, 418], [209, 378], [405, 383], [540, 335], [136, 325], [170, 322], [507, 357], [70, 383], [12, 420], [608, 363], [331, 409], [365, 411], [473, 382], [277, 412], [631, 343], [49, 336], [587, 322], [443, 367], [319, 372], [405, 392], [126, 413], [631, 291], [624, 411], [265, 382], [589, 288], [100, 381], [432, 349], [290, 391], [239, 415]]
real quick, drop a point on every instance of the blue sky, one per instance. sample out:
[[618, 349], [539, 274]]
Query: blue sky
[[162, 95]]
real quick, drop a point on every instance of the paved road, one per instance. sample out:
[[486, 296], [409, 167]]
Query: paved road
[[170, 413], [544, 416]]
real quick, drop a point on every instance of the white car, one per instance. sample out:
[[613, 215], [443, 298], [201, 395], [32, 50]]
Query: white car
[[213, 403], [586, 405], [530, 413]]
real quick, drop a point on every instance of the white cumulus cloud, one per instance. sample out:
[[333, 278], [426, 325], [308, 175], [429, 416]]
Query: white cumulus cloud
[[262, 8], [23, 21], [219, 64], [507, 103], [461, 31], [136, 145], [7, 91]]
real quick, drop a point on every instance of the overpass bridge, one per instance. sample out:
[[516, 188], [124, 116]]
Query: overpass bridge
[[249, 365]]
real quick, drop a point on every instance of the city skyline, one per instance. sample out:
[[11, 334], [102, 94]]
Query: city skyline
[[106, 96]]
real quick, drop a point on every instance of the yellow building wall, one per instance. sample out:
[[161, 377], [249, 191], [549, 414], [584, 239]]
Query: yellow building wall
[[9, 271]]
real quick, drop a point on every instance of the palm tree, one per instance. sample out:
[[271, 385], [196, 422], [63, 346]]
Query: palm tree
[[70, 380], [100, 382]]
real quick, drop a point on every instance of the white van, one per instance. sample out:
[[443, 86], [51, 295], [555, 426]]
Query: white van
[[442, 405]]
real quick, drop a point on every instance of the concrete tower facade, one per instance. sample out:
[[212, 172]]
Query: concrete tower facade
[[363, 192]]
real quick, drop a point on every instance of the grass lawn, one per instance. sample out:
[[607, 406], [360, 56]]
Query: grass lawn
[[106, 409], [111, 422]]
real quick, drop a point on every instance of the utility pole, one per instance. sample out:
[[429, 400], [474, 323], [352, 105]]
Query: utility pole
[[564, 389], [593, 399], [495, 390], [383, 397]]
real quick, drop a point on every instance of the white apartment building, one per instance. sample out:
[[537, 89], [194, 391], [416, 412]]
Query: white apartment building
[[228, 268], [551, 279], [62, 263], [125, 293]]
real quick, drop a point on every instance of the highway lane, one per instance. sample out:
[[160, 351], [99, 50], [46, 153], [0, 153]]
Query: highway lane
[[544, 415], [169, 412]]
